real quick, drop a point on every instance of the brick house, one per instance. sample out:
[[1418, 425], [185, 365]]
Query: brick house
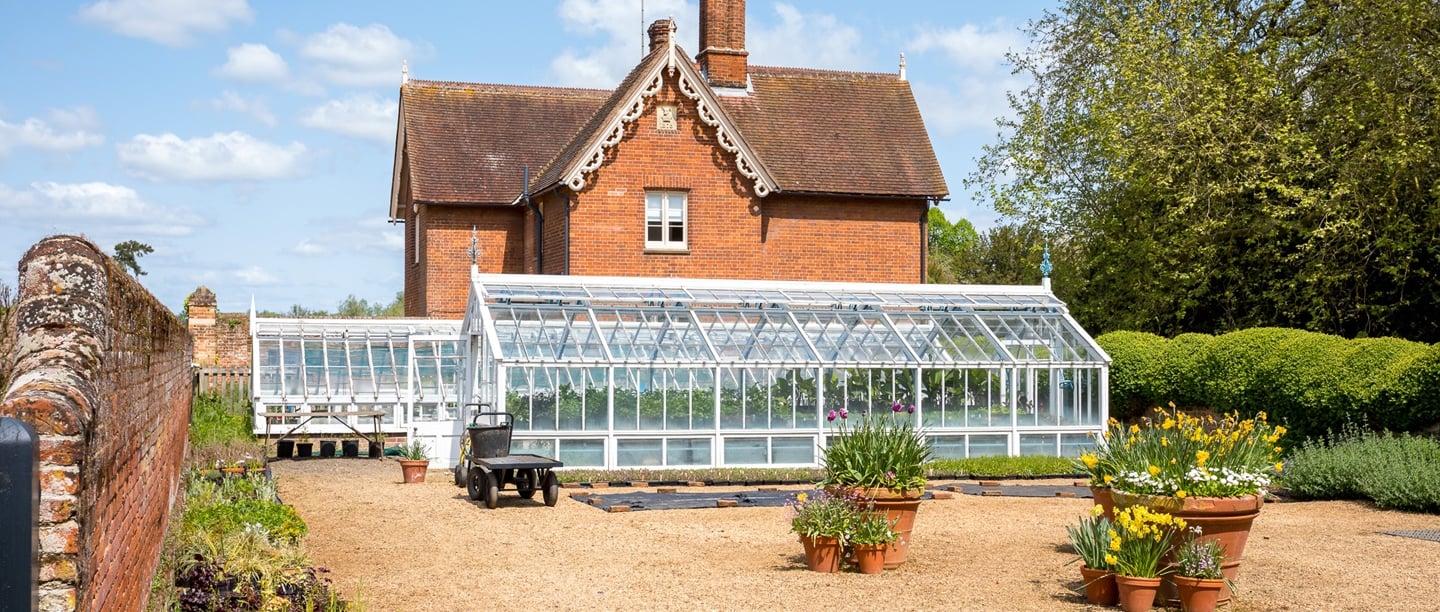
[[704, 168]]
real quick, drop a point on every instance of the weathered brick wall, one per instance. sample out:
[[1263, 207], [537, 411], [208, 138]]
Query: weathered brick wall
[[221, 339], [103, 374]]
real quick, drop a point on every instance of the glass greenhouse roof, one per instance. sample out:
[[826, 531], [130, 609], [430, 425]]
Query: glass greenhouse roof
[[529, 319]]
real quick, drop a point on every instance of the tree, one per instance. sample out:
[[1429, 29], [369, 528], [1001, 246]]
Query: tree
[[1218, 165], [947, 241], [128, 254]]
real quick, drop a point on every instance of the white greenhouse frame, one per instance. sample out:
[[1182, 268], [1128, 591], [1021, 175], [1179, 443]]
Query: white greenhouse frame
[[611, 372]]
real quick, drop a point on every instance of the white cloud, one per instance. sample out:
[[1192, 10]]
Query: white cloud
[[361, 116], [364, 57], [307, 248], [114, 209], [233, 156], [810, 40], [252, 62], [973, 95], [168, 22], [255, 275], [373, 234], [233, 102], [620, 49], [66, 130]]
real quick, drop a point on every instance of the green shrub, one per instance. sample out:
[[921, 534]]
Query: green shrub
[[1134, 372], [279, 521], [1396, 472], [216, 421], [1030, 465]]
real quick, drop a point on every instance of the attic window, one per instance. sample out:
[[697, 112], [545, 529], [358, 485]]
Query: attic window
[[665, 118]]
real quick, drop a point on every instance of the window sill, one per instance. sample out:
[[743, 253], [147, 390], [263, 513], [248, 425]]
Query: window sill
[[652, 250]]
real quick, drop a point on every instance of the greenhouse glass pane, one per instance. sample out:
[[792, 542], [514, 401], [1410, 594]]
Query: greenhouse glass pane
[[638, 453], [545, 332], [627, 398], [1074, 444], [687, 451], [582, 453], [792, 449], [849, 336], [948, 447], [544, 448], [652, 335], [989, 445], [745, 451], [753, 336], [1037, 444]]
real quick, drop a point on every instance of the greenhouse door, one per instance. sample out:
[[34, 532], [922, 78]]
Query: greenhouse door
[[434, 410]]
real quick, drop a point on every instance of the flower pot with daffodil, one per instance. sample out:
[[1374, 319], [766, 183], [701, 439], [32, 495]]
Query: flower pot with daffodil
[[1091, 540], [1211, 472], [1139, 542]]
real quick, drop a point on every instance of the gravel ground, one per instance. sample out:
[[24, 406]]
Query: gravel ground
[[428, 547]]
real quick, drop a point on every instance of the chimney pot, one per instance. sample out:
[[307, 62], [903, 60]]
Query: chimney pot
[[660, 33]]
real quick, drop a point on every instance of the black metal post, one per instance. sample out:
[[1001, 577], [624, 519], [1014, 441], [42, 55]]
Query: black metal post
[[19, 516]]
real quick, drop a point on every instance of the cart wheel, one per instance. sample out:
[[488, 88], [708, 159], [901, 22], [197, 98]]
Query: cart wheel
[[460, 473], [492, 492], [552, 489], [473, 485], [527, 483]]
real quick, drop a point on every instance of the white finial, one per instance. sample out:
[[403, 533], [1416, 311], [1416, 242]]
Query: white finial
[[673, 29], [902, 66], [405, 71]]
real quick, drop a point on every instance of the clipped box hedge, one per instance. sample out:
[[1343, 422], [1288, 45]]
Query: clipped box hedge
[[1310, 382]]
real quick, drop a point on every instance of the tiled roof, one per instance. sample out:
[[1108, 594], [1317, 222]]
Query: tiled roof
[[470, 142], [579, 140], [837, 132], [816, 131]]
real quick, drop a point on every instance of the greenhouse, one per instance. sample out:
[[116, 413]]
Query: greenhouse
[[634, 372], [631, 372]]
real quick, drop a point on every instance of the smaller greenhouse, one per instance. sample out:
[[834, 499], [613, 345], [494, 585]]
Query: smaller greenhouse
[[644, 372]]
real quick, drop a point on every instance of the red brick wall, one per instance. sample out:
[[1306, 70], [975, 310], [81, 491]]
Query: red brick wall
[[103, 375], [219, 339], [446, 232]]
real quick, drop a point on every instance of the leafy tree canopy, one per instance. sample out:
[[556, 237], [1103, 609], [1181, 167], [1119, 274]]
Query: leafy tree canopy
[[128, 254]]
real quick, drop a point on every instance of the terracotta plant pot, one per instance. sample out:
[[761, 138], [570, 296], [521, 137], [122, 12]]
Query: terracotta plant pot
[[899, 508], [414, 471], [1102, 497], [1099, 586], [822, 554], [1226, 519], [1199, 594], [1137, 594], [870, 558]]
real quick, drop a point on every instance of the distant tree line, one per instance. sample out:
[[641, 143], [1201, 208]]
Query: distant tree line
[[1205, 166], [351, 308]]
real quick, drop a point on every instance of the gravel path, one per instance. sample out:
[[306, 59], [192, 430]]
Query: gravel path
[[428, 547]]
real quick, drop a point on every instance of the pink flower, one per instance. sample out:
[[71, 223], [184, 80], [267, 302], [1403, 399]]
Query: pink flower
[[844, 414], [831, 416], [910, 409], [897, 407]]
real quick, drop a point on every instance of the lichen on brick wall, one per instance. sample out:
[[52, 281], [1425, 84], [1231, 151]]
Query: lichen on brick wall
[[102, 372]]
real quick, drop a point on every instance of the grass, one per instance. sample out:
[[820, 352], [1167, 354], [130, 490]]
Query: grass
[[1397, 472], [989, 467]]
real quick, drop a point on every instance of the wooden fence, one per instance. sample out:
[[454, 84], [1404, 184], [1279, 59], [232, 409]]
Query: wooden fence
[[231, 385]]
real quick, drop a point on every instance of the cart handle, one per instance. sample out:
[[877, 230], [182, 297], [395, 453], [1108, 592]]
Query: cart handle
[[509, 418]]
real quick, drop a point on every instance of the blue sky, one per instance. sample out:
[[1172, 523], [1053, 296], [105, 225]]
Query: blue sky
[[251, 143]]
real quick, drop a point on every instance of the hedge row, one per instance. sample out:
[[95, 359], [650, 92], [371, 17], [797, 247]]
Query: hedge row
[[1310, 382]]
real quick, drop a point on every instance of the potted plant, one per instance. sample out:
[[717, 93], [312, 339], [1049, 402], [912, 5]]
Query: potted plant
[[1139, 541], [881, 461], [1099, 466], [1199, 578], [1211, 472], [1091, 540], [823, 520], [871, 534], [414, 460]]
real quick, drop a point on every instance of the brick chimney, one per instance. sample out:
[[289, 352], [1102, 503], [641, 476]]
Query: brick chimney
[[660, 32], [722, 56]]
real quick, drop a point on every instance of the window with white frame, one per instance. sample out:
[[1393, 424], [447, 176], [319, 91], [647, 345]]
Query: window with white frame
[[665, 220]]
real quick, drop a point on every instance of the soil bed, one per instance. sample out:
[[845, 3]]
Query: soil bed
[[428, 547]]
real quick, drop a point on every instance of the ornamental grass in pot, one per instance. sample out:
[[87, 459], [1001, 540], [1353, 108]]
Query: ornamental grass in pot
[[823, 520], [870, 536], [1091, 539], [1211, 472], [414, 460], [880, 459]]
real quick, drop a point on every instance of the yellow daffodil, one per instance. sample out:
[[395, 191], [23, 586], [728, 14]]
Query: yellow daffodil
[[1167, 424], [1090, 460], [1111, 559], [1154, 471], [1108, 478], [1180, 494], [1201, 457], [1134, 429], [1097, 510], [801, 497], [1279, 467]]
